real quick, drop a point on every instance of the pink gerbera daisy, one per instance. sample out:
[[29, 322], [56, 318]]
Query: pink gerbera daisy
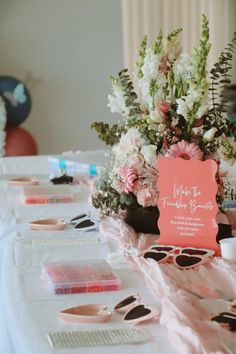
[[128, 177], [184, 150]]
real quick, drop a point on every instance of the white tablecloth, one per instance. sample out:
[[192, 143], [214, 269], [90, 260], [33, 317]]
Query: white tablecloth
[[25, 165], [27, 310], [31, 312]]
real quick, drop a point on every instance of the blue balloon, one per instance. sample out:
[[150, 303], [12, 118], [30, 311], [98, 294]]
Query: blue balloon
[[17, 100]]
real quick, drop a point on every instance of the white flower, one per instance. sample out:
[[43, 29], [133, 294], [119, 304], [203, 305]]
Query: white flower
[[194, 95], [144, 85], [117, 101], [161, 128], [198, 130], [186, 103], [150, 154], [182, 108], [129, 143], [203, 108], [150, 70], [189, 101], [209, 134], [151, 64], [156, 116], [184, 68]]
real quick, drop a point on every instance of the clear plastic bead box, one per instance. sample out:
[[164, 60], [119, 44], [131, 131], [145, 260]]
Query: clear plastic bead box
[[47, 195], [79, 277]]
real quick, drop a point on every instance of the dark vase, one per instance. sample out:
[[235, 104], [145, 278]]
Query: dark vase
[[143, 220]]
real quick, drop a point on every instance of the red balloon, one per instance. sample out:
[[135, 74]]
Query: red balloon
[[19, 142]]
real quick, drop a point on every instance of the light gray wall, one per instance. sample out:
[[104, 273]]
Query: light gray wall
[[71, 47]]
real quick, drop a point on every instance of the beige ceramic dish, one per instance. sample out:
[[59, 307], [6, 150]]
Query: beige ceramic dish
[[47, 224]]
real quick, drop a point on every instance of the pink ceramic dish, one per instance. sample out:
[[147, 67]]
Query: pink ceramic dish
[[91, 313], [23, 181], [47, 224]]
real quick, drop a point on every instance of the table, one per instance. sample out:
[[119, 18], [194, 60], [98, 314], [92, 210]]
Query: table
[[27, 311]]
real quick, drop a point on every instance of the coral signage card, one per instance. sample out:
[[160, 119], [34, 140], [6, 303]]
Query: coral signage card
[[187, 202]]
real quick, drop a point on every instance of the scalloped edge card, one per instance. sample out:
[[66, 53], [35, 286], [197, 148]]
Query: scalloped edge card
[[187, 203]]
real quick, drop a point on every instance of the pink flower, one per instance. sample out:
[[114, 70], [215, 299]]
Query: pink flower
[[136, 185], [166, 144], [184, 150], [178, 131], [163, 107], [128, 176], [163, 66], [198, 122], [147, 197]]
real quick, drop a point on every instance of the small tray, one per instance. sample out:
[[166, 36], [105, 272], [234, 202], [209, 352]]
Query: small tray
[[23, 181], [75, 277], [47, 224]]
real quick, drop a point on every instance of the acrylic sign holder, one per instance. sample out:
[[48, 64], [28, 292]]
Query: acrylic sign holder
[[187, 203]]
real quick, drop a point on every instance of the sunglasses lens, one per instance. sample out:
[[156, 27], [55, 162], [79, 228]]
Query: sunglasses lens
[[226, 318], [163, 248], [84, 224], [187, 261], [78, 217], [229, 315], [220, 319], [137, 312], [125, 302], [192, 251], [157, 256]]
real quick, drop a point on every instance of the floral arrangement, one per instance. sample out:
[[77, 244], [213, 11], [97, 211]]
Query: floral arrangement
[[179, 111], [3, 119]]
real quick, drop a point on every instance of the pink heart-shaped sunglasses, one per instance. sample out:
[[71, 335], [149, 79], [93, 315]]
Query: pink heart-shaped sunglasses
[[135, 311], [183, 258]]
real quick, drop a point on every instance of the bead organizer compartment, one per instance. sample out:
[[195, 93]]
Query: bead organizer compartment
[[47, 195], [79, 277]]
